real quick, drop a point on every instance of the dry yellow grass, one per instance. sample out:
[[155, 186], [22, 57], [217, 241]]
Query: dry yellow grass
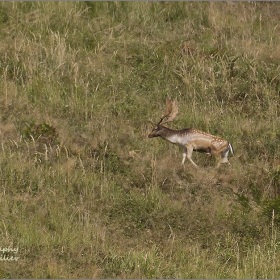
[[84, 193]]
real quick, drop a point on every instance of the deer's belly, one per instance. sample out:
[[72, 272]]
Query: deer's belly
[[203, 150]]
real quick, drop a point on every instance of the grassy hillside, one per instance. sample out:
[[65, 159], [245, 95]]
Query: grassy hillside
[[85, 193]]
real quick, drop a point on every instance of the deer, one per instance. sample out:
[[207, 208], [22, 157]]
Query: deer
[[190, 139]]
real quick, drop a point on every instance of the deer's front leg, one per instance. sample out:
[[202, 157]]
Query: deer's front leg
[[184, 155], [188, 153]]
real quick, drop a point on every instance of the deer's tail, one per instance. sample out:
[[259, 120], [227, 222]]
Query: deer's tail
[[231, 148]]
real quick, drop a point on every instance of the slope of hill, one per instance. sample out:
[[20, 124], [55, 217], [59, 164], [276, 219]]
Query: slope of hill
[[85, 193]]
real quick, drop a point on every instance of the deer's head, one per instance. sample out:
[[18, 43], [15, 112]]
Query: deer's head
[[171, 111]]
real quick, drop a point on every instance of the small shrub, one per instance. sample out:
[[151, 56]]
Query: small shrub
[[271, 210], [42, 132]]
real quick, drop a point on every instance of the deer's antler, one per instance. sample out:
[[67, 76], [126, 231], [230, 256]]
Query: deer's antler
[[171, 111]]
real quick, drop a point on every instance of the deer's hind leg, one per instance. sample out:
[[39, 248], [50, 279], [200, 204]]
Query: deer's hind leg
[[224, 157]]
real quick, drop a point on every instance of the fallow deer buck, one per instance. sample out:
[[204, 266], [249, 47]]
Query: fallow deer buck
[[191, 139]]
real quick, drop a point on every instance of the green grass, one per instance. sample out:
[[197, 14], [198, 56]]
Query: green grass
[[85, 193]]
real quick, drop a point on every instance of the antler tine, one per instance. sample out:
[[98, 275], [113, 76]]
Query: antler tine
[[171, 111], [168, 109]]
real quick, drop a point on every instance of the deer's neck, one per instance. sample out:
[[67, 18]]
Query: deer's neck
[[174, 136]]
